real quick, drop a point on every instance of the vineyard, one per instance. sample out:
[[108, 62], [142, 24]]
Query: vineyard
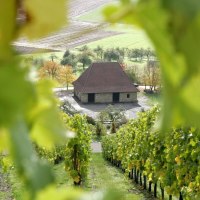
[[76, 33], [43, 150], [76, 152], [170, 161]]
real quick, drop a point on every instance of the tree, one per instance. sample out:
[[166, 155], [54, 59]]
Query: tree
[[112, 54], [150, 54], [147, 53], [66, 76], [121, 52], [151, 75], [69, 59], [114, 115], [85, 56], [99, 52], [133, 73], [136, 54], [52, 57], [84, 48], [100, 129], [50, 70], [85, 59]]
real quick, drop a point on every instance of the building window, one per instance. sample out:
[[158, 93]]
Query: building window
[[128, 96]]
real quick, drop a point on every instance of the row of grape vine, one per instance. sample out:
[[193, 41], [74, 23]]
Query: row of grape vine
[[76, 153], [149, 157]]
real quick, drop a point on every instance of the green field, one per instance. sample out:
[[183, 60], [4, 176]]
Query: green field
[[137, 39], [131, 37]]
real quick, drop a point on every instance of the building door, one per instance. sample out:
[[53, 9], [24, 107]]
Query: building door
[[115, 97], [91, 98]]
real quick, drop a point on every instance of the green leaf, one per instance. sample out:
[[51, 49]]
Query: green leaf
[[17, 93], [53, 192], [174, 28], [47, 126], [7, 27], [44, 17], [36, 174]]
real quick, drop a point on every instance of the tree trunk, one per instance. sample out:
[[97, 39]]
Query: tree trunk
[[170, 197]]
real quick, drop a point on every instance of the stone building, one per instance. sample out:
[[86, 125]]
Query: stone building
[[105, 82]]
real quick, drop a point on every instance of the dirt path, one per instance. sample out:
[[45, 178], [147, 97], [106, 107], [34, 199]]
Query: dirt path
[[96, 147], [5, 190], [103, 176]]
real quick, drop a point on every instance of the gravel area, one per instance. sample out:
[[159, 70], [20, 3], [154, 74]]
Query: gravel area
[[93, 110], [96, 147]]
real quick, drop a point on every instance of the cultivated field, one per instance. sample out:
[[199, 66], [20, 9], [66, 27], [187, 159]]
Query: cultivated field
[[86, 26], [75, 34]]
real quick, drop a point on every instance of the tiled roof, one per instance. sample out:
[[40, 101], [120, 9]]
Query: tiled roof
[[104, 77]]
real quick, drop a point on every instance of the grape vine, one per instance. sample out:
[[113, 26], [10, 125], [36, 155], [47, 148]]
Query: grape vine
[[172, 161]]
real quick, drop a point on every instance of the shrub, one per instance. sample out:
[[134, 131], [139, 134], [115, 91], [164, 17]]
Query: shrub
[[100, 129], [90, 120], [67, 108]]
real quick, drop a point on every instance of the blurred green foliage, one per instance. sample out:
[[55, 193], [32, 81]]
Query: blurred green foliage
[[28, 110], [174, 28]]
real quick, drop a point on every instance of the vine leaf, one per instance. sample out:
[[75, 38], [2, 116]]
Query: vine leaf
[[7, 27], [44, 17], [36, 173], [47, 127], [174, 29]]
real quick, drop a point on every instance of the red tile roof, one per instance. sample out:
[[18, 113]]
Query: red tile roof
[[104, 77]]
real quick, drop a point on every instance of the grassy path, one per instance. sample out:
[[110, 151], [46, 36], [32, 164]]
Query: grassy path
[[103, 176]]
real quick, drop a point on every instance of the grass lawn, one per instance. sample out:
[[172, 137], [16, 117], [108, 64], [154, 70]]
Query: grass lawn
[[62, 178], [154, 98], [132, 36], [103, 176], [137, 39]]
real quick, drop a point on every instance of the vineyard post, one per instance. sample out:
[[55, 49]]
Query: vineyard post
[[135, 175], [145, 181], [132, 172], [140, 178], [76, 164], [181, 196], [155, 189], [150, 183], [162, 192]]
